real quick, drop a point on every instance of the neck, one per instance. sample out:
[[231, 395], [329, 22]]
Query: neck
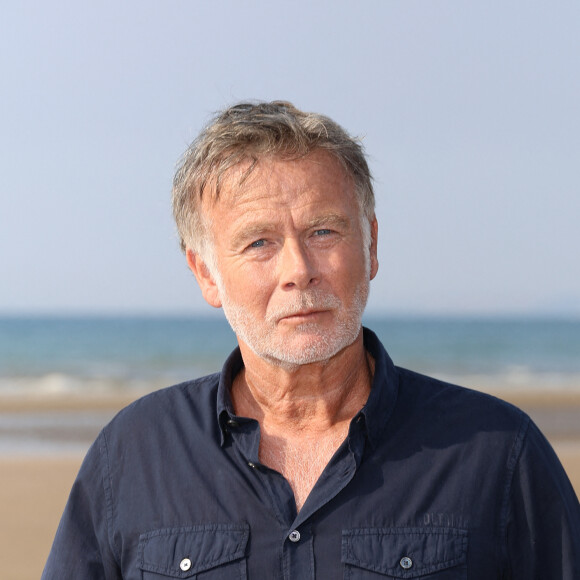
[[304, 399]]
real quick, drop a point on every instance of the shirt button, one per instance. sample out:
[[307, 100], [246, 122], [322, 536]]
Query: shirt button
[[185, 564], [406, 563], [250, 464], [233, 424], [294, 536]]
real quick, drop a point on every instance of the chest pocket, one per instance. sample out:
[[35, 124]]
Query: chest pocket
[[420, 553], [207, 552]]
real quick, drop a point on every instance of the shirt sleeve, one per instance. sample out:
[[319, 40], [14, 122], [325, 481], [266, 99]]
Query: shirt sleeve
[[543, 517], [82, 547]]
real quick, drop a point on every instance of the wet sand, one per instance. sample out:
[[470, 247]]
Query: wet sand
[[34, 488]]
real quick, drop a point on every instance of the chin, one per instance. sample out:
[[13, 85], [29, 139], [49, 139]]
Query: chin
[[308, 348]]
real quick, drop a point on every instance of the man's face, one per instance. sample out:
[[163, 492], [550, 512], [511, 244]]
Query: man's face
[[293, 271]]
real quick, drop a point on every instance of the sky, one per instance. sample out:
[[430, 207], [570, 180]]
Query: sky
[[468, 111]]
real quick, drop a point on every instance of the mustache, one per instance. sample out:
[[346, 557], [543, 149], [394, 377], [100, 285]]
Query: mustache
[[307, 300]]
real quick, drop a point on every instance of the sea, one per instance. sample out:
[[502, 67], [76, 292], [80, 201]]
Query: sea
[[90, 356]]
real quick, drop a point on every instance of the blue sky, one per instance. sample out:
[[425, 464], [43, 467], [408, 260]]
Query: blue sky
[[468, 111]]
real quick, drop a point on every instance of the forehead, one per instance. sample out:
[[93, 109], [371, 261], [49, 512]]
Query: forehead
[[315, 178]]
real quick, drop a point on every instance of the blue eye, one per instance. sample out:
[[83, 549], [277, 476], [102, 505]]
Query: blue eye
[[257, 244], [322, 232]]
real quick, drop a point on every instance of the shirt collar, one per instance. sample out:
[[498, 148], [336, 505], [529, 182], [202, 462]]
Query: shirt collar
[[384, 389], [225, 408], [376, 412]]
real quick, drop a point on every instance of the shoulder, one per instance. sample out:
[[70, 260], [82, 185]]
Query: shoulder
[[458, 409], [192, 402], [438, 392]]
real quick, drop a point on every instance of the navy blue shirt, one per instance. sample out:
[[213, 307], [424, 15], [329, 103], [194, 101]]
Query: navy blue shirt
[[433, 482]]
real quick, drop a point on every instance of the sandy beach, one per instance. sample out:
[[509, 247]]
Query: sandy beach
[[34, 487]]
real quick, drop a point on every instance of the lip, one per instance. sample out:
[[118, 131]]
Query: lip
[[303, 315]]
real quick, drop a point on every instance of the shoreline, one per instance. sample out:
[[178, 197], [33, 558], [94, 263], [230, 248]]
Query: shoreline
[[74, 401]]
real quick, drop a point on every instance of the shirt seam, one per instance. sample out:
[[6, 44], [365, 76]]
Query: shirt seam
[[514, 458], [108, 491]]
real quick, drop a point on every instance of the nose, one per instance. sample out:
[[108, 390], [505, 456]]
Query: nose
[[297, 267]]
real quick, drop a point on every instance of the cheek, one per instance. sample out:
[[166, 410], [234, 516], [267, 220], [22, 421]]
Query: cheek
[[251, 289], [345, 268]]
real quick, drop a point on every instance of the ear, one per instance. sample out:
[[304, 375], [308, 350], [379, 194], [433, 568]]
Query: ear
[[373, 248], [207, 284]]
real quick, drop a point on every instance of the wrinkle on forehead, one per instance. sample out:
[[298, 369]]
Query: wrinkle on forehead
[[241, 177]]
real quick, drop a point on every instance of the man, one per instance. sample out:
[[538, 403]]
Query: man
[[310, 455]]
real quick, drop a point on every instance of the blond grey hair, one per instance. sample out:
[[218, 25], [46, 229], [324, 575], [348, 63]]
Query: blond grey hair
[[248, 132]]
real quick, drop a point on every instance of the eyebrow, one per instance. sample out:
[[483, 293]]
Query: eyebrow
[[332, 219]]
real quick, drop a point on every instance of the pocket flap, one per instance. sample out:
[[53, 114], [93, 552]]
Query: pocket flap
[[183, 552], [404, 552]]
